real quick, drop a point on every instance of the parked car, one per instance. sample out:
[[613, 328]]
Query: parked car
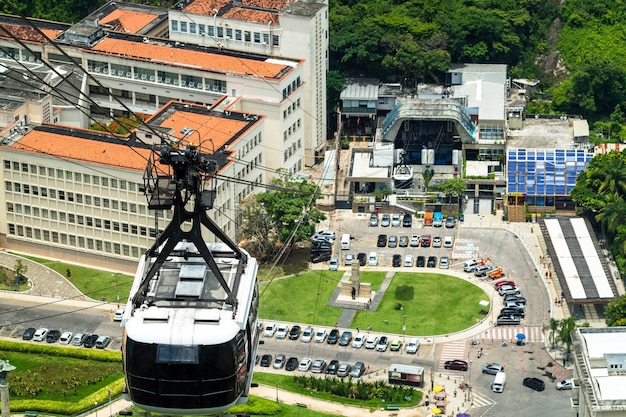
[[415, 241], [509, 289], [343, 370], [346, 338], [102, 342], [266, 360], [279, 361], [393, 242], [373, 220], [437, 242], [395, 220], [282, 331], [408, 260], [66, 338], [333, 265], [40, 334], [362, 258], [320, 257], [395, 345], [333, 337], [508, 320], [371, 342], [383, 344], [481, 270], [305, 364], [432, 262], [421, 261], [503, 282], [512, 312], [382, 241], [373, 259], [426, 241], [323, 234], [294, 333], [492, 368], [357, 370], [270, 329], [456, 364], [444, 262], [450, 221], [534, 383], [403, 242], [307, 335], [53, 336], [447, 241], [565, 384], [331, 369], [320, 336], [28, 333], [79, 339], [349, 259], [90, 341], [292, 364], [396, 260], [119, 313], [358, 341], [515, 298], [407, 220], [319, 366], [385, 221], [514, 304], [413, 345]]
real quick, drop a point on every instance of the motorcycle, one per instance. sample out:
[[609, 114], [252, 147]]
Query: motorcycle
[[480, 352]]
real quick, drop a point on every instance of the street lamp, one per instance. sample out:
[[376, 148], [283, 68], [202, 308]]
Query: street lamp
[[404, 329], [110, 405]]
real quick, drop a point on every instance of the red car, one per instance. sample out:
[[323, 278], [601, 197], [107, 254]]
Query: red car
[[457, 365], [499, 284]]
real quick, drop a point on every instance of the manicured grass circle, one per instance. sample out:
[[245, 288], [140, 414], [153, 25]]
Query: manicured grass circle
[[433, 304]]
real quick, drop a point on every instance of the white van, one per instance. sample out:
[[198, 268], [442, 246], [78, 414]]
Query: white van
[[498, 383], [345, 241], [470, 265]]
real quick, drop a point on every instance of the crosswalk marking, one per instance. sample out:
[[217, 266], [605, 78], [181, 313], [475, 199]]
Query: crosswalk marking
[[451, 351], [481, 400], [509, 334]]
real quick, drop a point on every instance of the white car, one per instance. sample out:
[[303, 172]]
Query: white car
[[305, 364], [395, 220], [320, 336], [117, 316], [413, 346], [383, 344], [333, 265], [565, 384], [66, 338], [282, 331], [447, 241], [371, 342], [415, 241], [270, 329], [373, 259], [358, 341], [307, 335], [444, 262], [408, 261], [40, 335]]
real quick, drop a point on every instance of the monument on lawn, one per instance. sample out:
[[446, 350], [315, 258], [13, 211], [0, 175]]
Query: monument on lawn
[[5, 368]]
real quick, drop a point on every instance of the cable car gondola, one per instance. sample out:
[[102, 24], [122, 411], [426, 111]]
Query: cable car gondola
[[190, 325]]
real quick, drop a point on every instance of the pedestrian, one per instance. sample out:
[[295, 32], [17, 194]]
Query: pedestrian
[[358, 330], [369, 328], [455, 393], [337, 324], [556, 300]]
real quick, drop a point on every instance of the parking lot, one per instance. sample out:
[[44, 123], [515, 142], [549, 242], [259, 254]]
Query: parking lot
[[364, 239]]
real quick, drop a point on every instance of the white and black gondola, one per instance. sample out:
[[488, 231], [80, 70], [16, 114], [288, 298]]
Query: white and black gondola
[[190, 325]]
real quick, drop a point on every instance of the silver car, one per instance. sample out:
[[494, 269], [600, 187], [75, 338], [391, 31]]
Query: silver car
[[307, 335]]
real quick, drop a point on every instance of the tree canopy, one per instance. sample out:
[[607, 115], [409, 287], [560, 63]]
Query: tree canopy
[[615, 313], [283, 216]]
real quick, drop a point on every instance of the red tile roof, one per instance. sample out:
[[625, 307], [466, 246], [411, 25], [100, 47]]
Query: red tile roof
[[208, 7], [127, 20], [27, 33], [173, 56], [213, 131], [71, 147]]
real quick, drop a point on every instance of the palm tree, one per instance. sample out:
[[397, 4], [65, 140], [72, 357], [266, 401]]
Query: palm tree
[[568, 325], [610, 172], [612, 212], [552, 327]]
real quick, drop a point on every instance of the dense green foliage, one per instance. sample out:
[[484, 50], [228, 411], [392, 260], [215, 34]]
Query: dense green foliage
[[615, 312], [60, 380], [68, 11], [415, 40]]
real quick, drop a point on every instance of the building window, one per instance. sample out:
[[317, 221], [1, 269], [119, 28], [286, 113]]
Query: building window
[[192, 28], [175, 25], [238, 34], [275, 40], [247, 36], [183, 26], [257, 37]]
